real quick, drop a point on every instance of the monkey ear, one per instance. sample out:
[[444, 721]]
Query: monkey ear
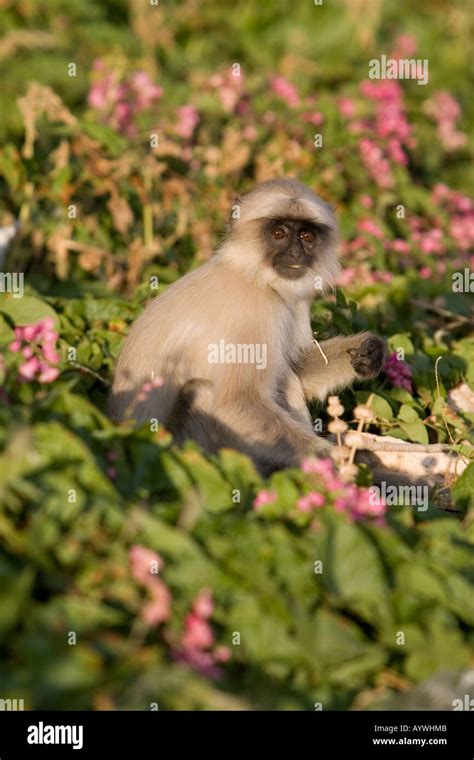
[[234, 211]]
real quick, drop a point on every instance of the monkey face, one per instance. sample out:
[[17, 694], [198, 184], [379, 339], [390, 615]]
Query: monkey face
[[292, 246]]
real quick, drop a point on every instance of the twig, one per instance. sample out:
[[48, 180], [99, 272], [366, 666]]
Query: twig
[[415, 448], [439, 310], [326, 360], [89, 371]]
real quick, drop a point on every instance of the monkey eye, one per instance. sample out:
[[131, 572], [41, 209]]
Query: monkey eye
[[278, 233], [307, 236]]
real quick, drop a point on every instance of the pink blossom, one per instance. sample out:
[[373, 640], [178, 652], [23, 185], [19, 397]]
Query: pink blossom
[[405, 46], [141, 560], [229, 88], [400, 246], [398, 372], [250, 133], [314, 117], [144, 91], [366, 201], [390, 125], [374, 161], [432, 241], [201, 661], [347, 107], [47, 374], [324, 467], [371, 227], [222, 653], [264, 497], [203, 604], [30, 368], [121, 99], [445, 111], [347, 276], [36, 343], [158, 610], [285, 90], [310, 501], [198, 633], [188, 120]]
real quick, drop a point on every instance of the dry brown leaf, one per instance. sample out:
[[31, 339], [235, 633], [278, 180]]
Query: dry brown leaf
[[122, 214], [40, 99]]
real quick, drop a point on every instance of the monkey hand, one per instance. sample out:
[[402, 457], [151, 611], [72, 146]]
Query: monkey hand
[[369, 356]]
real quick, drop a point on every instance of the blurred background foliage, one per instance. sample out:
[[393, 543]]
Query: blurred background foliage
[[126, 172]]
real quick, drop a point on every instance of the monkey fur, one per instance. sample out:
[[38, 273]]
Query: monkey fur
[[279, 253]]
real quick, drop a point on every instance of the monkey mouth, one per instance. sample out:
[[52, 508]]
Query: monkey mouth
[[291, 271]]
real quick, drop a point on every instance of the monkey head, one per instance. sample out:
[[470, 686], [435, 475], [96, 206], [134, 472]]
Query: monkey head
[[293, 246], [284, 236]]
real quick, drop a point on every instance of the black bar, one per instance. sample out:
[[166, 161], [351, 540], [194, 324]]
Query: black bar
[[217, 734]]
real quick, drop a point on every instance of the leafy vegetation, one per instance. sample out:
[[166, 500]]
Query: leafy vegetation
[[134, 574]]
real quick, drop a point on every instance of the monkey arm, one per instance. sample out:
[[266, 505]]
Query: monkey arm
[[349, 358]]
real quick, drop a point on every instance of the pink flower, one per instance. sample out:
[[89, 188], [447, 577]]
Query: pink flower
[[250, 133], [369, 226], [144, 91], [198, 633], [47, 374], [158, 610], [203, 605], [310, 501], [314, 117], [374, 161], [264, 497], [398, 372], [229, 86], [324, 467], [400, 246], [188, 120], [30, 368], [141, 560], [222, 653], [285, 90], [36, 343], [347, 107], [201, 661], [445, 111], [404, 47], [121, 99]]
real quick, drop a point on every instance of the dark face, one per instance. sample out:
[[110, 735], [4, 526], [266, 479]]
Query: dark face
[[292, 246]]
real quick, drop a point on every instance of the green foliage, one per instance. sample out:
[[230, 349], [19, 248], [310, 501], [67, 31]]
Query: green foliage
[[318, 602]]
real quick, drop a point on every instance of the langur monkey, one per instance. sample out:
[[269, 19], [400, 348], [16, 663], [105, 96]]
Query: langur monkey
[[232, 339]]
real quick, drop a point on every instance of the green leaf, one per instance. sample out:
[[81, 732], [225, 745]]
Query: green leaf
[[27, 310], [379, 405], [401, 340], [464, 486], [354, 576], [416, 431], [407, 414]]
